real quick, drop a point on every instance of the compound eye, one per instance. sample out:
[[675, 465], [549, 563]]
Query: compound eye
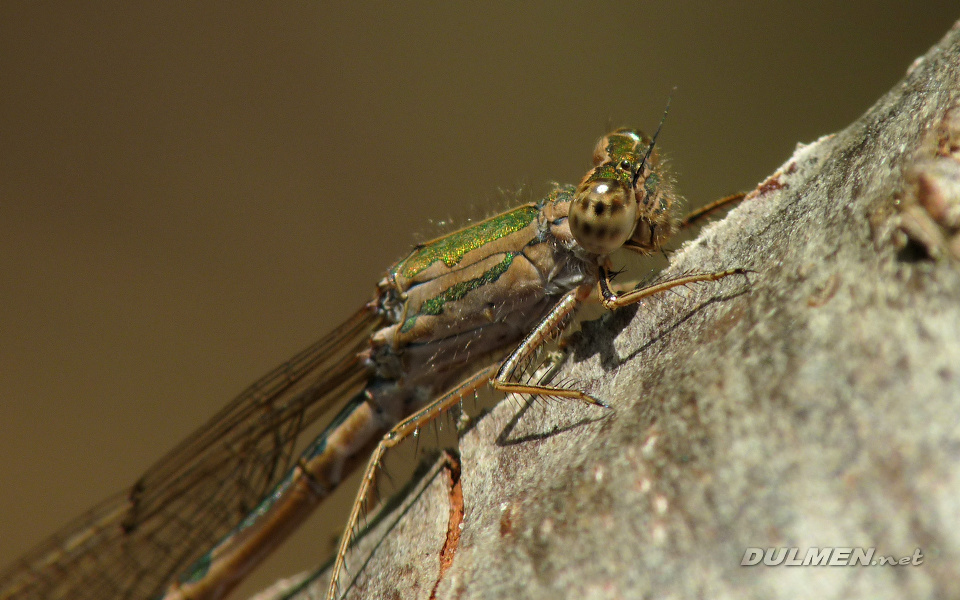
[[626, 165], [603, 215]]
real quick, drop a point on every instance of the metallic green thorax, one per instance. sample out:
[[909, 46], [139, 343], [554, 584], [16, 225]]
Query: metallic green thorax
[[478, 278], [451, 248], [434, 306]]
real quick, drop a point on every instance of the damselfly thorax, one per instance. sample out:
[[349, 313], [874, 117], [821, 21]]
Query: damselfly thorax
[[458, 313]]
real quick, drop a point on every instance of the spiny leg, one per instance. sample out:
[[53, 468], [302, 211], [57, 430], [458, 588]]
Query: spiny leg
[[505, 380], [397, 434], [705, 211], [692, 219], [613, 301]]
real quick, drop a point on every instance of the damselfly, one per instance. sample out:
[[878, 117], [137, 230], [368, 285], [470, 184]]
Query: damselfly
[[459, 312]]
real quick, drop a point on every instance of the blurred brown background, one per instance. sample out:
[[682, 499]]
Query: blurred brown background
[[190, 195]]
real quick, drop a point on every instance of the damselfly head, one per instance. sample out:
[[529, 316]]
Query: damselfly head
[[622, 200]]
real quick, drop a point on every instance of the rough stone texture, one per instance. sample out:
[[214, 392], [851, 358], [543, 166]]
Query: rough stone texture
[[815, 404]]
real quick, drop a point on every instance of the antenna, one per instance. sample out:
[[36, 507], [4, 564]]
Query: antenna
[[653, 142]]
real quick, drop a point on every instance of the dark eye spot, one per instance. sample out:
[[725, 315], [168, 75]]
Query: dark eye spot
[[587, 229], [598, 208], [626, 165]]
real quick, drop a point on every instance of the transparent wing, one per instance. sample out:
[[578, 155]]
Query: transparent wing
[[133, 543]]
